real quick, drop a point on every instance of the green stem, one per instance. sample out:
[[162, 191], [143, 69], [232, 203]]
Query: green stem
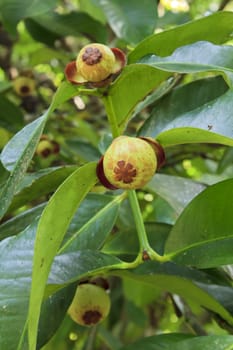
[[111, 116], [145, 252], [91, 339]]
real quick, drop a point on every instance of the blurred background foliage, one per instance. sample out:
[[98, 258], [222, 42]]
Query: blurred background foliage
[[35, 45]]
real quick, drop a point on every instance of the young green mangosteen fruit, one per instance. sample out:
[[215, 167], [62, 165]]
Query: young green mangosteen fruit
[[97, 64], [128, 163], [24, 86], [90, 305]]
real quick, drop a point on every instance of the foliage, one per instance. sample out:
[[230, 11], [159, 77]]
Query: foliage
[[165, 249]]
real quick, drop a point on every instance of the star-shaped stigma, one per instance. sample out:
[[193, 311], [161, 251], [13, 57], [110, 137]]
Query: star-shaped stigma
[[124, 172]]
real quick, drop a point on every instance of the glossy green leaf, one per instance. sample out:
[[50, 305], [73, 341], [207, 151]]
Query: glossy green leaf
[[76, 265], [201, 56], [166, 42], [73, 23], [178, 136], [157, 234], [142, 80], [203, 234], [92, 223], [15, 279], [12, 11], [199, 96], [16, 157], [177, 191], [93, 9], [131, 20], [51, 230], [36, 185], [188, 283], [182, 342], [15, 285], [20, 222], [84, 150]]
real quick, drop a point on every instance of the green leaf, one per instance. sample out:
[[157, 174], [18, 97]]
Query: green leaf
[[73, 23], [182, 342], [20, 222], [11, 116], [93, 9], [15, 280], [92, 223], [201, 56], [51, 230], [16, 157], [178, 136], [12, 11], [65, 92], [186, 282], [36, 185], [198, 95], [142, 79], [83, 149], [131, 20], [68, 268], [45, 55], [177, 191], [166, 42], [157, 234], [203, 234]]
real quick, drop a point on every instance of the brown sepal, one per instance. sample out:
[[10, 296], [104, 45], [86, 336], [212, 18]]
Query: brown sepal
[[101, 176], [159, 151]]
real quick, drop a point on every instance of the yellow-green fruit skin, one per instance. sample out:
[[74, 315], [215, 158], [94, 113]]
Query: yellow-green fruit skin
[[129, 162], [99, 71], [90, 305]]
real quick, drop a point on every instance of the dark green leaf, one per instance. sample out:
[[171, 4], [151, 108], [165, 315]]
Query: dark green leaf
[[142, 79], [36, 185], [201, 56], [20, 222], [15, 282], [73, 23], [166, 42], [183, 342], [68, 268], [157, 235], [15, 279], [188, 283], [203, 234], [12, 11], [92, 223], [188, 98], [51, 230], [11, 116], [131, 20], [177, 191], [84, 150], [16, 157]]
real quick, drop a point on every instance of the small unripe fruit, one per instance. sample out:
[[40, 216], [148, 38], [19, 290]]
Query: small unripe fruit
[[24, 86], [91, 305], [129, 163], [46, 147], [95, 62]]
